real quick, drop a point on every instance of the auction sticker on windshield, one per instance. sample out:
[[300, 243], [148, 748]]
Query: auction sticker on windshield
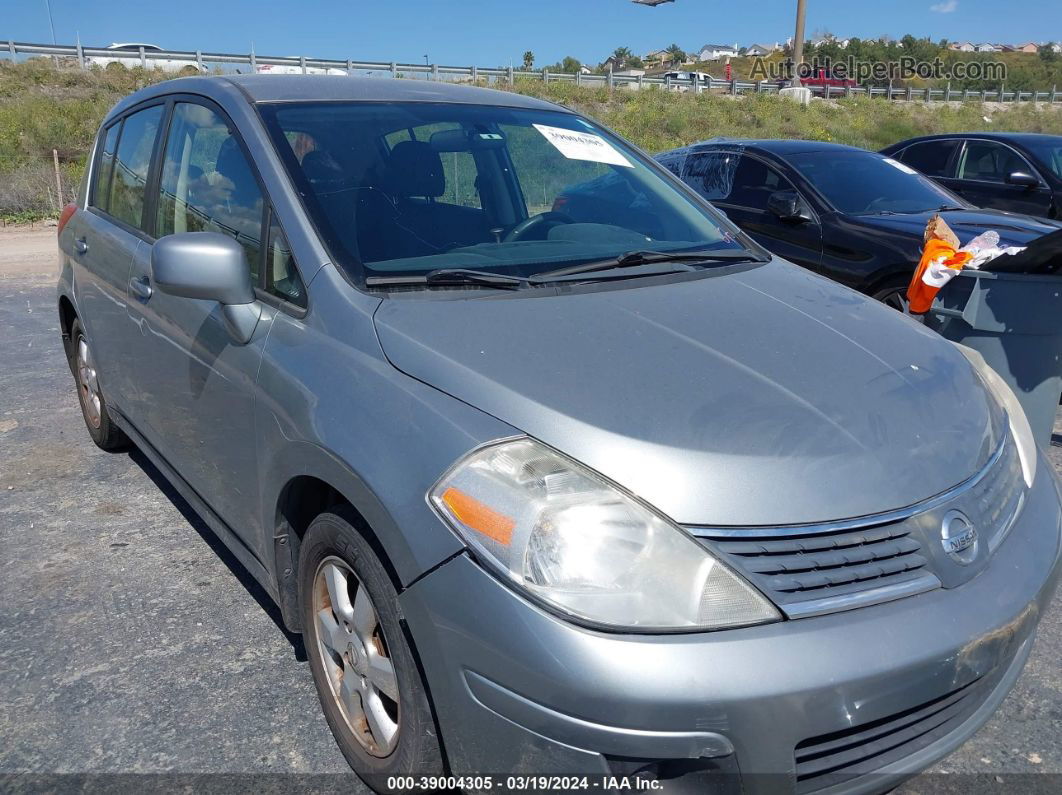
[[583, 146]]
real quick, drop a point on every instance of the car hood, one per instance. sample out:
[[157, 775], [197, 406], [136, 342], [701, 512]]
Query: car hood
[[761, 397], [1014, 229]]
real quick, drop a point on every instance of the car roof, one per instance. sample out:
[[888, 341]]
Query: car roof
[[307, 88], [1013, 137], [776, 146], [310, 88]]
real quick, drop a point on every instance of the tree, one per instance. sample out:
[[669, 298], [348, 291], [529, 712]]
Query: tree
[[529, 60], [676, 54], [621, 55], [569, 65], [1047, 53]]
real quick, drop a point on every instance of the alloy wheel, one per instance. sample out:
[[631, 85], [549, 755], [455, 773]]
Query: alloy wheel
[[895, 297], [88, 384], [355, 657]]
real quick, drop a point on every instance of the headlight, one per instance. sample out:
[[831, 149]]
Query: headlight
[[1019, 423], [573, 540]]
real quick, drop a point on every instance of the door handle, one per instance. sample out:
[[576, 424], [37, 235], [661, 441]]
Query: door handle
[[81, 246], [141, 287]]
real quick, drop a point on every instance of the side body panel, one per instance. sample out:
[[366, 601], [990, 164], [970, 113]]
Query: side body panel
[[346, 416], [196, 398], [99, 278]]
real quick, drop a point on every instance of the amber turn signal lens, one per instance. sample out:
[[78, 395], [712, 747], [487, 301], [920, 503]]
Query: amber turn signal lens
[[479, 517]]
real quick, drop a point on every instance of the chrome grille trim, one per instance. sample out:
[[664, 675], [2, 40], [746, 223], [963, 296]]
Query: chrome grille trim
[[898, 515], [873, 596], [1004, 531]]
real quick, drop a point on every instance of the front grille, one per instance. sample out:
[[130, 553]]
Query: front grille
[[815, 569], [799, 572], [831, 759], [997, 498]]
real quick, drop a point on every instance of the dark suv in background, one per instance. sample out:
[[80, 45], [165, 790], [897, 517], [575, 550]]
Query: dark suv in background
[[1020, 172]]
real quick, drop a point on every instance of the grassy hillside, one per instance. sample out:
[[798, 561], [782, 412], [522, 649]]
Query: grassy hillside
[[43, 108], [657, 120]]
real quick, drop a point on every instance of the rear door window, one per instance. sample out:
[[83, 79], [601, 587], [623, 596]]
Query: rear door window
[[931, 157], [102, 180], [711, 174], [131, 165], [207, 185]]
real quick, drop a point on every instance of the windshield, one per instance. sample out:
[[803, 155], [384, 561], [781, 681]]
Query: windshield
[[1048, 151], [410, 188], [864, 183]]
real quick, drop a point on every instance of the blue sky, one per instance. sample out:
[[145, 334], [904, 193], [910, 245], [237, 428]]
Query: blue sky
[[491, 32]]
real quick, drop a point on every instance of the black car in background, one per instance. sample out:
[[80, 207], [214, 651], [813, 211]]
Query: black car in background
[[855, 216], [1020, 172]]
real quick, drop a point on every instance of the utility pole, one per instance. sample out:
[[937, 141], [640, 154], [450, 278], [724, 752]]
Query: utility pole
[[48, 8], [798, 43]]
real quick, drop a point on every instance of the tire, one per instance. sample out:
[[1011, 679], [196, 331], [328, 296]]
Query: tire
[[893, 292], [103, 431], [336, 559]]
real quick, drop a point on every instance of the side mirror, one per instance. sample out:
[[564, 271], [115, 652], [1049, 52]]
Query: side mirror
[[1023, 179], [788, 206], [211, 267]]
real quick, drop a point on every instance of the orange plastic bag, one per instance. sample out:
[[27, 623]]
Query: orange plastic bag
[[922, 290]]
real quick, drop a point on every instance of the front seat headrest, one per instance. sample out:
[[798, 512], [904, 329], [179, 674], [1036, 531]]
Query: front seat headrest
[[415, 169]]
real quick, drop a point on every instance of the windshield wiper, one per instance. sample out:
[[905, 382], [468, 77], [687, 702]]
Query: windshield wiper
[[946, 207], [449, 277], [633, 259]]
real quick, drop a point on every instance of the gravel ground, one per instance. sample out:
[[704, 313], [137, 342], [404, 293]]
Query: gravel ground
[[132, 642]]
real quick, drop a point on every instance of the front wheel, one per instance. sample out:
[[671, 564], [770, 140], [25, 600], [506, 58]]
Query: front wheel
[[367, 680], [893, 292]]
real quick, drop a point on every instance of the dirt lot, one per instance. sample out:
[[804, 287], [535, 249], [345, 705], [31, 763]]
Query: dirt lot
[[132, 642]]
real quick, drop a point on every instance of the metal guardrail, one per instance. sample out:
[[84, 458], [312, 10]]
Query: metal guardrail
[[204, 60]]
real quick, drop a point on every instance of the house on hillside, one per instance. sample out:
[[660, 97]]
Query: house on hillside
[[713, 52], [842, 43], [656, 57], [1029, 47], [760, 50], [962, 46], [986, 47]]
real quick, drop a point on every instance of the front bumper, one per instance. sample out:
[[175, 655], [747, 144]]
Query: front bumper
[[517, 690]]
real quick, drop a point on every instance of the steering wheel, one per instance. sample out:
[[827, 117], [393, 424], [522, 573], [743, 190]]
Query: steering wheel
[[528, 225]]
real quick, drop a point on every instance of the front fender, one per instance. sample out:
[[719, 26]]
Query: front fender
[[344, 415]]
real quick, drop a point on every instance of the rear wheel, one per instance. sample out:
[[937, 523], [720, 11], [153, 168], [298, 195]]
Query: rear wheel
[[103, 431], [893, 292], [367, 680]]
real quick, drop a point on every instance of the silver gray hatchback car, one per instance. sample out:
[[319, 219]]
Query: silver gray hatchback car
[[555, 470]]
